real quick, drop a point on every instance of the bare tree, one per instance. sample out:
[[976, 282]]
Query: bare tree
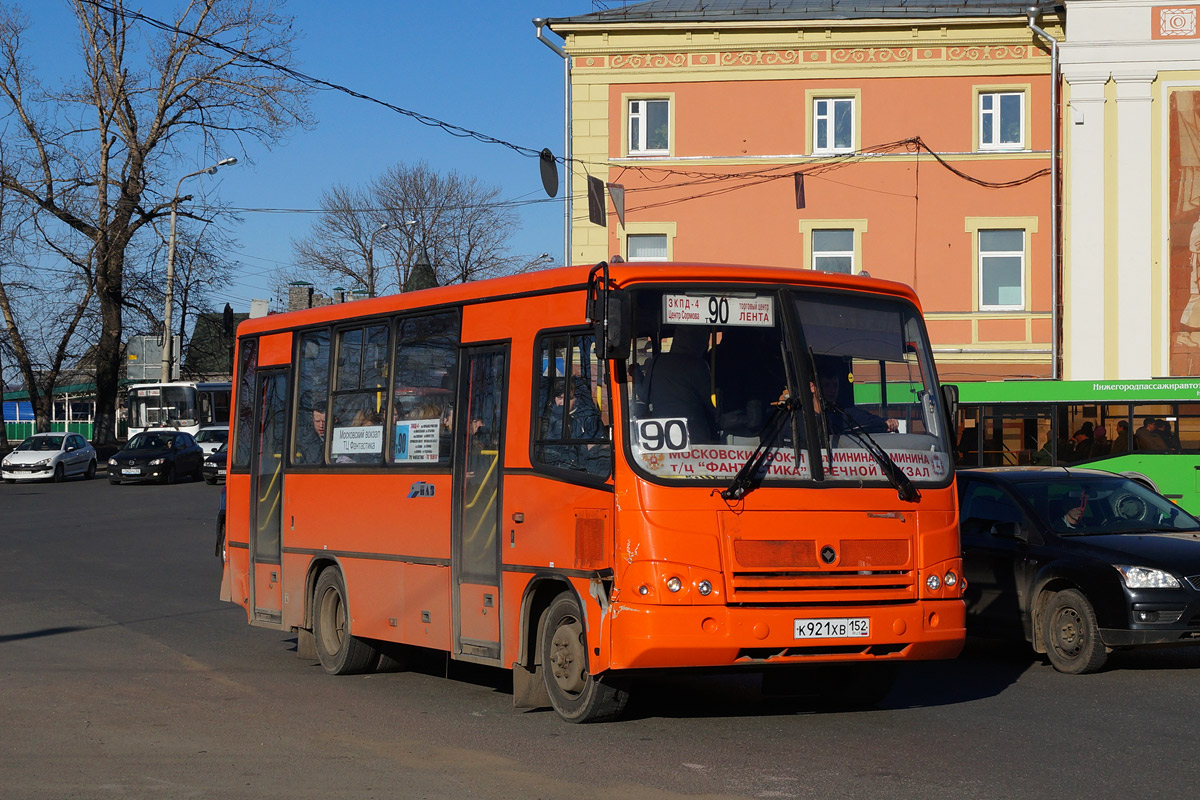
[[89, 154], [371, 237]]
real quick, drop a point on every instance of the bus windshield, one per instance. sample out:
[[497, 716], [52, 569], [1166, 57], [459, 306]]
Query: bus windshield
[[711, 367]]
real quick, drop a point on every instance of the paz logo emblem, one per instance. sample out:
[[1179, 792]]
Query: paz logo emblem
[[422, 489], [828, 554]]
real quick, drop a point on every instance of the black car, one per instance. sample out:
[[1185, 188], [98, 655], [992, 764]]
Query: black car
[[214, 465], [157, 455], [1078, 562]]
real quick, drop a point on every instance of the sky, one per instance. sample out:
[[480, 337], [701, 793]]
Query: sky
[[472, 63]]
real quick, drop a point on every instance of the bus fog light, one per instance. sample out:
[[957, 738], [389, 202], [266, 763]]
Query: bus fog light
[[674, 584], [950, 580], [704, 588], [643, 589], [933, 582]]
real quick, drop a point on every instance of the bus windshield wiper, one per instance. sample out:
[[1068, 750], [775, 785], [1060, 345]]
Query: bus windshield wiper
[[746, 480], [905, 489]]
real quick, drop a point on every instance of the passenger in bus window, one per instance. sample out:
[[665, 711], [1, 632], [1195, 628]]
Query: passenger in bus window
[[310, 436], [1169, 435], [1101, 446], [1148, 437], [679, 384], [1044, 456], [1121, 442]]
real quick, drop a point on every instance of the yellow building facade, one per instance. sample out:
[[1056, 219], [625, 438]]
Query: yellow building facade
[[924, 140]]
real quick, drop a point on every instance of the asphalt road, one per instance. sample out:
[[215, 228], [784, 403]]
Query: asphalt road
[[123, 676]]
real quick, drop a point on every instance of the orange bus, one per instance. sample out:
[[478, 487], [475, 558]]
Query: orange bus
[[585, 474]]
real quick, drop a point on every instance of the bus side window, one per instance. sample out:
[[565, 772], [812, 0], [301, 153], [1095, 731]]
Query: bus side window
[[247, 370], [423, 387], [359, 396], [312, 395], [571, 429]]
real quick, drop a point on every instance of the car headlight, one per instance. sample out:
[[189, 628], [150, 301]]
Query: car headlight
[[112, 462], [45, 462], [1146, 578], [155, 462]]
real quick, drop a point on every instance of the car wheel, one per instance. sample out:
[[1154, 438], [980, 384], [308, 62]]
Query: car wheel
[[340, 652], [169, 476], [59, 473], [576, 694], [211, 481], [1072, 635], [91, 470], [9, 480]]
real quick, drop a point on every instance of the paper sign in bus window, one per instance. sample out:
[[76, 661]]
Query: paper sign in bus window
[[355, 441], [417, 440]]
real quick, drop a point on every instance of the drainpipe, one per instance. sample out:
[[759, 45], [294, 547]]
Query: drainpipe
[[540, 23], [1055, 237]]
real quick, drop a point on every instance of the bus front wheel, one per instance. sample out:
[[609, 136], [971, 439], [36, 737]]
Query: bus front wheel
[[340, 652], [576, 694]]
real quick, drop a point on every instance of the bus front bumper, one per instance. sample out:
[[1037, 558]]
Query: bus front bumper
[[645, 636]]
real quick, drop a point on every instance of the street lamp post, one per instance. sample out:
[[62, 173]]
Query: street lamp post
[[168, 339]]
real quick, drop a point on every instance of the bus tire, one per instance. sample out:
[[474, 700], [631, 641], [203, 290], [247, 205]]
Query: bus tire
[[575, 694], [1072, 635], [339, 651]]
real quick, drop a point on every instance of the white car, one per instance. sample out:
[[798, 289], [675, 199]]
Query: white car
[[211, 438], [49, 456]]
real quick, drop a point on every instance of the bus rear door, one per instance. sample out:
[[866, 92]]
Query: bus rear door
[[266, 492], [478, 481]]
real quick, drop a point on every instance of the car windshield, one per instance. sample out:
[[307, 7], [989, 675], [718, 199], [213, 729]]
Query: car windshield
[[41, 443], [1089, 505], [208, 435], [712, 371], [151, 441]]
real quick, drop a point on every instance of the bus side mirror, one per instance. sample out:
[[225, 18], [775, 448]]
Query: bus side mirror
[[950, 399], [614, 334]]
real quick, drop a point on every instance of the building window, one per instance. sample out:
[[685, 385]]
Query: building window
[[1002, 121], [649, 127], [646, 247], [1001, 270], [833, 250], [833, 125]]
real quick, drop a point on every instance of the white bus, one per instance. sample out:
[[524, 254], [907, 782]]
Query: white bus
[[183, 405]]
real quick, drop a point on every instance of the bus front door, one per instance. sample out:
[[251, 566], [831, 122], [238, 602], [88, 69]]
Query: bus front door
[[478, 475], [266, 492]]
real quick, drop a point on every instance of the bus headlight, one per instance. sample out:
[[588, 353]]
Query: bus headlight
[[674, 584], [704, 588], [950, 580], [933, 582]]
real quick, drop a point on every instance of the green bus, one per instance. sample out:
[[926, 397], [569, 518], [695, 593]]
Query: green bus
[[1148, 430]]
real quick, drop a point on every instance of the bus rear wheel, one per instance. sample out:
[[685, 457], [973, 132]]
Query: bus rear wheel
[[340, 652], [575, 694]]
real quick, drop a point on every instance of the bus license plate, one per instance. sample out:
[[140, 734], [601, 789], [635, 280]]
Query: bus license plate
[[833, 628]]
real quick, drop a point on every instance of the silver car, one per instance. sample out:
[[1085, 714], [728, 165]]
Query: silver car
[[53, 456]]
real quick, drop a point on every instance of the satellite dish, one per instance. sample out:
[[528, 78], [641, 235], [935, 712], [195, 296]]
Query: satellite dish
[[549, 170]]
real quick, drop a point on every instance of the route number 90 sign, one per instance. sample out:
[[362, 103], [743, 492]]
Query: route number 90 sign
[[667, 435], [719, 309]]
